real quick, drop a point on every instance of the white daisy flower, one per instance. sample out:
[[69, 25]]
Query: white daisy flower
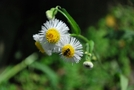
[[52, 32], [39, 44], [71, 49]]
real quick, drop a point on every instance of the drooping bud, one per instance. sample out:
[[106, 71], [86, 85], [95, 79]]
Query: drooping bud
[[88, 64], [51, 13]]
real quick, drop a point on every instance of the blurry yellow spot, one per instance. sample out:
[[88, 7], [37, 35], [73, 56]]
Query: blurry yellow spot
[[68, 51], [38, 45], [110, 21], [52, 35], [121, 43]]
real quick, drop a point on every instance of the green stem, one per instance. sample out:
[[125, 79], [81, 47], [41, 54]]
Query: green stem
[[74, 25], [87, 49], [90, 42], [64, 15], [81, 36]]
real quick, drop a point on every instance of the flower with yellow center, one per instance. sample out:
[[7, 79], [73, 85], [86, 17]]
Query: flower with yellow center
[[71, 49], [39, 44], [52, 32]]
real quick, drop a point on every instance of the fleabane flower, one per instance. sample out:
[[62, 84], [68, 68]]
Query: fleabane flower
[[52, 32], [39, 44], [71, 49]]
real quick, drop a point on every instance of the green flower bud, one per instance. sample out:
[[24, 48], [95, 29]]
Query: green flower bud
[[51, 13]]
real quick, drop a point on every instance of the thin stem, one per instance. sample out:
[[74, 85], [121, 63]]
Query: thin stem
[[63, 14], [87, 49], [74, 25], [81, 36]]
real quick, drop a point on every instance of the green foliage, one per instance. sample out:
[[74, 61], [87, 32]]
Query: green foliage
[[114, 55], [124, 82]]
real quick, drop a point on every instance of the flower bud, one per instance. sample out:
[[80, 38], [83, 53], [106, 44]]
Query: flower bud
[[51, 13], [88, 64], [89, 54]]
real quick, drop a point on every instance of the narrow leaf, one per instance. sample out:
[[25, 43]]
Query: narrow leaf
[[49, 72], [123, 82], [10, 72]]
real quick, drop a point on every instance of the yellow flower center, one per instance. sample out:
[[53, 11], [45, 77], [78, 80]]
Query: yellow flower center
[[38, 45], [68, 51], [52, 35]]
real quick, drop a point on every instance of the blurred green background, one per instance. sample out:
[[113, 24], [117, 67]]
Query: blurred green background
[[109, 23]]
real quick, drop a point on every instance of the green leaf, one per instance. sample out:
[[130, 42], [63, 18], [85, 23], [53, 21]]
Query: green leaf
[[123, 82], [75, 27], [11, 71]]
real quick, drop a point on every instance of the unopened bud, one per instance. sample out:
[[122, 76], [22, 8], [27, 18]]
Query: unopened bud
[[94, 58], [89, 54], [88, 64], [51, 13]]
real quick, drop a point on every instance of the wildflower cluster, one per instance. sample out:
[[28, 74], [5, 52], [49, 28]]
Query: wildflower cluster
[[55, 38]]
